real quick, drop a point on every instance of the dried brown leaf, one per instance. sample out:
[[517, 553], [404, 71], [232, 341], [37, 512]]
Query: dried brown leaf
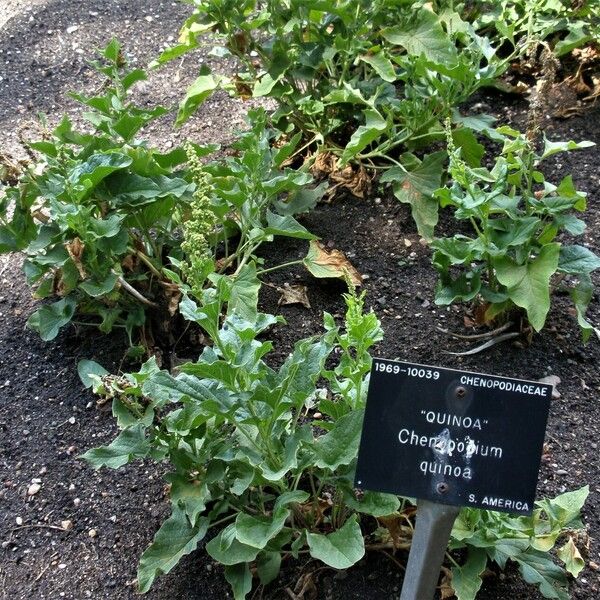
[[325, 263], [75, 249], [293, 294]]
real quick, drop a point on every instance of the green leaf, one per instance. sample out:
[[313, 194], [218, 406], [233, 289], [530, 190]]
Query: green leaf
[[577, 37], [287, 226], [226, 549], [570, 555], [190, 496], [466, 579], [471, 150], [376, 504], [551, 148], [381, 65], [97, 167], [48, 319], [268, 565], [135, 190], [416, 187], [85, 368], [240, 579], [577, 260], [374, 126], [302, 200], [130, 444], [258, 531], [528, 286], [340, 549], [423, 34], [340, 445], [174, 539], [537, 568], [243, 298], [581, 295], [99, 288], [566, 507], [196, 94]]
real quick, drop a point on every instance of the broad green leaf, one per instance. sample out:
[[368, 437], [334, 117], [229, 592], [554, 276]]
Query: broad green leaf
[[471, 150], [416, 187], [97, 167], [264, 86], [243, 298], [381, 65], [551, 148], [163, 387], [302, 200], [226, 549], [48, 319], [99, 288], [570, 555], [528, 286], [340, 549], [175, 538], [85, 368], [340, 445], [423, 34], [537, 568], [462, 289], [287, 226], [257, 531], [130, 444], [268, 565], [240, 579], [466, 579], [196, 94], [373, 128], [189, 495], [577, 37], [577, 260], [566, 507], [135, 190], [376, 504]]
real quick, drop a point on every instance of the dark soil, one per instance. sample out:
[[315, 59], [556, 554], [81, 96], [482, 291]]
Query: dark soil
[[47, 418]]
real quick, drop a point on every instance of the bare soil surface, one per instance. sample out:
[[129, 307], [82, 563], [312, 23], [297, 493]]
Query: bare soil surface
[[47, 418]]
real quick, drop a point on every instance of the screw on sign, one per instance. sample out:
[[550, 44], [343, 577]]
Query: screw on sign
[[450, 439]]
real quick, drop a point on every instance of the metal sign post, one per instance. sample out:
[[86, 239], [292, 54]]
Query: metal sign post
[[429, 543]]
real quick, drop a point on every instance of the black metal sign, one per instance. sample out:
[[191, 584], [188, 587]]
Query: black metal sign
[[453, 437]]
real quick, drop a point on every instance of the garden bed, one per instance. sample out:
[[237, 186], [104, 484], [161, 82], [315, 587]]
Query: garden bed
[[47, 418]]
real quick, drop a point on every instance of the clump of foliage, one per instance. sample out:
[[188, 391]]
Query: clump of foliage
[[517, 217], [267, 459], [96, 215], [369, 82], [563, 24]]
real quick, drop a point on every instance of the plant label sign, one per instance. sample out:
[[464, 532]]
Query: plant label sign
[[453, 437]]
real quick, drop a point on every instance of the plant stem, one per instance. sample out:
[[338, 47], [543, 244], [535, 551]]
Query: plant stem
[[282, 266]]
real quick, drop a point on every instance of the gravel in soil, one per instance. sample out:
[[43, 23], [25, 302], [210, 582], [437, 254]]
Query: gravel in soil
[[81, 533]]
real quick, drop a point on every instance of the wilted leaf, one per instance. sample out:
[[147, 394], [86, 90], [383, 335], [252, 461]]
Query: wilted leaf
[[323, 263], [570, 555], [75, 249], [293, 294]]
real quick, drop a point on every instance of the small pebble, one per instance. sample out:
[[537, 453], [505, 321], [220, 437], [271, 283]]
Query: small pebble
[[33, 489]]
